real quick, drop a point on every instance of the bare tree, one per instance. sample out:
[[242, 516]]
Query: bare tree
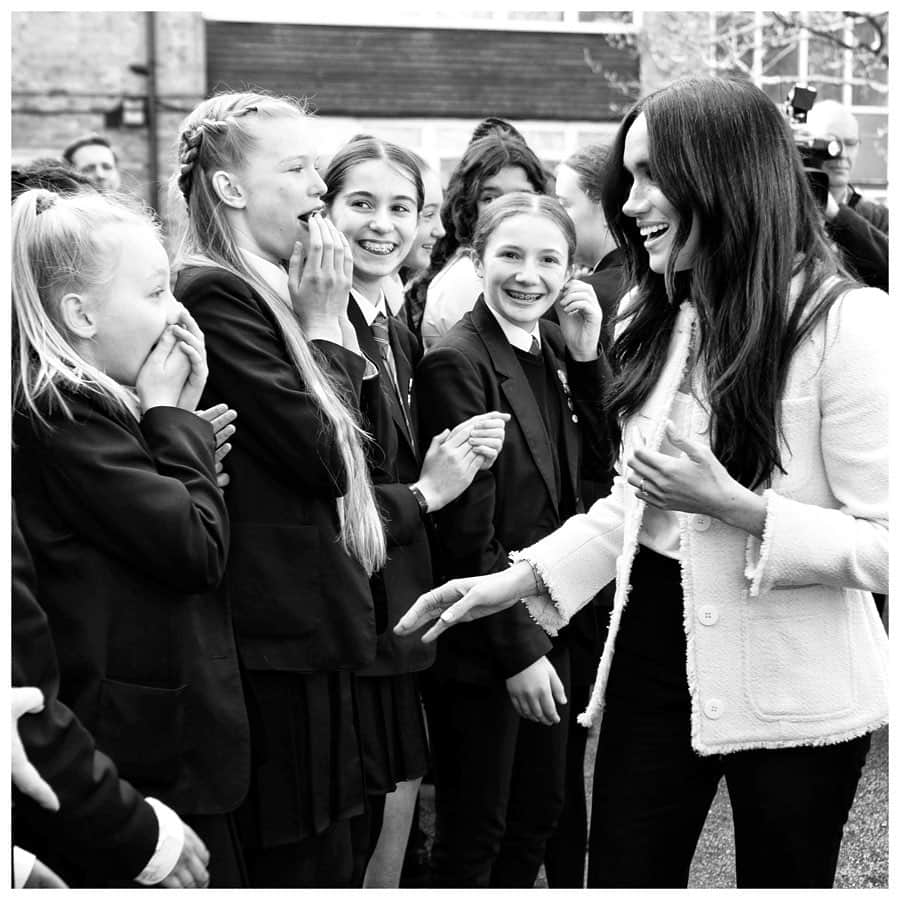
[[762, 46]]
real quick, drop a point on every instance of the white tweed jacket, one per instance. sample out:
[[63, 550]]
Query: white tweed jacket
[[784, 645]]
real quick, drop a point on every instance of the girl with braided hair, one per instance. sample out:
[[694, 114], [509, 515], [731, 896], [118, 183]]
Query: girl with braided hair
[[268, 279]]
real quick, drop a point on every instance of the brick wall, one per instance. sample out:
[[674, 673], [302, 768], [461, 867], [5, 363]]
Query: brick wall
[[70, 71]]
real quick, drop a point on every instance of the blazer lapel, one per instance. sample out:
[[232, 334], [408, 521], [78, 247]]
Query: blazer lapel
[[369, 346], [518, 393], [571, 434]]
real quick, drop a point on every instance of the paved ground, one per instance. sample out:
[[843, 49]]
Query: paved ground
[[863, 861]]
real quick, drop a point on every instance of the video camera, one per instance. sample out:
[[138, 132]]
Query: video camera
[[813, 151]]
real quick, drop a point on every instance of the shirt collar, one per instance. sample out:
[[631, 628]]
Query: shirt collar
[[367, 308], [518, 337], [274, 276]]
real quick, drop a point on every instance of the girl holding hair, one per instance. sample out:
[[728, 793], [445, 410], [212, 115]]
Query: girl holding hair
[[748, 524], [374, 195], [497, 692], [114, 480], [492, 166], [267, 278]]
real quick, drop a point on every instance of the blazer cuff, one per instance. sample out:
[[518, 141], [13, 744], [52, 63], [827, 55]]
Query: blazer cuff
[[169, 844]]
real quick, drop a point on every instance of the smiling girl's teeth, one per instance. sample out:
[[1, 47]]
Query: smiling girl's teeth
[[378, 247], [518, 295]]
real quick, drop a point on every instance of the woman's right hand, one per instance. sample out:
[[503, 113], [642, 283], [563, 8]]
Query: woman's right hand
[[466, 599], [319, 280]]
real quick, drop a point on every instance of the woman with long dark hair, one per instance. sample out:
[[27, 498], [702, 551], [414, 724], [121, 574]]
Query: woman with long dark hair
[[748, 524]]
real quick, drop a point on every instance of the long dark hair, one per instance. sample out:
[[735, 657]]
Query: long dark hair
[[482, 159], [722, 153]]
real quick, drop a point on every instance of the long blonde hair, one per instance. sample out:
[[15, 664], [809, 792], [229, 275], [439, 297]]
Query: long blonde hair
[[218, 135], [61, 245]]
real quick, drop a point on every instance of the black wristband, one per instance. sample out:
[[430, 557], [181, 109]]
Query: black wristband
[[420, 499]]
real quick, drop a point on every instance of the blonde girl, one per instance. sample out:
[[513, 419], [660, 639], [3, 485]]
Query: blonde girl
[[268, 279], [114, 479]]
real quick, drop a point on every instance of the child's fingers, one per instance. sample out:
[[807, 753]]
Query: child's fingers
[[295, 263], [184, 334], [223, 420], [213, 413], [223, 479], [221, 452], [197, 359], [348, 258], [186, 320]]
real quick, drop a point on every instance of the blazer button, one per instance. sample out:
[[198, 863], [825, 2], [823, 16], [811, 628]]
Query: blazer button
[[713, 708], [701, 523], [708, 614]]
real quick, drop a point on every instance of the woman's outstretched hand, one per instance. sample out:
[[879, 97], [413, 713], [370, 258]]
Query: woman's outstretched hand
[[466, 599]]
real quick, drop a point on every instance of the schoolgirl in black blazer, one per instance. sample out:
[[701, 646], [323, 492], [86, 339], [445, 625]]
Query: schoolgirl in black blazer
[[374, 195], [494, 816], [306, 533], [118, 500]]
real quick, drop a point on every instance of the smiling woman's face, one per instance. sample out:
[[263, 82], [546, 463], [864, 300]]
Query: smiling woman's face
[[656, 218]]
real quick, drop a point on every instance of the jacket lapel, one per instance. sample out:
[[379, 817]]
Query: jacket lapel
[[369, 346], [571, 434], [518, 393]]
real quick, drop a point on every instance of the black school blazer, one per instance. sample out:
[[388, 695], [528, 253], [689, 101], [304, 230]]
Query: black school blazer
[[473, 369], [129, 534], [301, 603], [102, 824], [395, 463]]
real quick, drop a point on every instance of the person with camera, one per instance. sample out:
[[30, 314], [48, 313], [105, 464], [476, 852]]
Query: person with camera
[[858, 226], [830, 119]]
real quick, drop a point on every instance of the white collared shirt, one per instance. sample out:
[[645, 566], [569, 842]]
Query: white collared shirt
[[368, 309], [518, 337]]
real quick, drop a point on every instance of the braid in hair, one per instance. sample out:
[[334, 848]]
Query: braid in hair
[[191, 145]]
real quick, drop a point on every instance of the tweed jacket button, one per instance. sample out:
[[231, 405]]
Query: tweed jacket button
[[708, 614], [701, 523], [713, 708]]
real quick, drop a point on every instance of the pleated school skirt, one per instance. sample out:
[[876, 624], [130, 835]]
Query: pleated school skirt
[[307, 759], [392, 730]]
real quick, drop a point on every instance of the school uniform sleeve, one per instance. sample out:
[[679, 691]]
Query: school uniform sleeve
[[450, 390], [154, 505], [250, 369], [845, 546], [102, 821]]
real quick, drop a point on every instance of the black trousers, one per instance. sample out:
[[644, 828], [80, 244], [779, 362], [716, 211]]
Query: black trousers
[[499, 783], [652, 792]]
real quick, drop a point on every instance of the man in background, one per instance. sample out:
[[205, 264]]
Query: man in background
[[93, 156]]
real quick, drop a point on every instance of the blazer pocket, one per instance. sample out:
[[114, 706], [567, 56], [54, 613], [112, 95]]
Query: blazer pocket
[[274, 579], [142, 729], [798, 663]]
